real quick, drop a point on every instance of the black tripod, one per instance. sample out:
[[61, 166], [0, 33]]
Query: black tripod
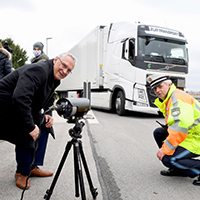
[[78, 155]]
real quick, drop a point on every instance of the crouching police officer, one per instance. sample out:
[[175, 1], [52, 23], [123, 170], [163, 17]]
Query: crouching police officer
[[179, 142]]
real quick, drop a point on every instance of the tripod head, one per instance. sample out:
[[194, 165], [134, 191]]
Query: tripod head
[[75, 132]]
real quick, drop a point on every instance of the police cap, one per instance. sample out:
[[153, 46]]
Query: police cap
[[156, 79]]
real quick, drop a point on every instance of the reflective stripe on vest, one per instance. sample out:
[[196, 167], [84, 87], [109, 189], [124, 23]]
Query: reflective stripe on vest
[[175, 126], [170, 145]]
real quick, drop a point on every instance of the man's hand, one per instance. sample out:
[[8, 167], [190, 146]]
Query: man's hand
[[48, 121], [160, 154], [35, 133]]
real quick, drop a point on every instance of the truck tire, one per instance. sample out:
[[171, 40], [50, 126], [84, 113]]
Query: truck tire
[[120, 103]]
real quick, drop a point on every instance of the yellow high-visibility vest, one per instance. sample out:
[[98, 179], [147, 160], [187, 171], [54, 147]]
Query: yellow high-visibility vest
[[182, 115]]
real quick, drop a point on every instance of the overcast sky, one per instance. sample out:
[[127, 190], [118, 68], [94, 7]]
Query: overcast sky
[[67, 22]]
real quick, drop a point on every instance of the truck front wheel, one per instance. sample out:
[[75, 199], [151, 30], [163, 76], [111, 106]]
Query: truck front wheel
[[120, 103]]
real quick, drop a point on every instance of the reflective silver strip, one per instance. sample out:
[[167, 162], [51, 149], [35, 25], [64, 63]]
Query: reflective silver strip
[[176, 119], [174, 99], [170, 145], [197, 106], [175, 127], [178, 92], [196, 122]]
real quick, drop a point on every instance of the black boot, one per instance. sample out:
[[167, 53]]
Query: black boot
[[197, 181], [172, 172]]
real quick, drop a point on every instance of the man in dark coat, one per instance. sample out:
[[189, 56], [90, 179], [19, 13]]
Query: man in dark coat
[[23, 93]]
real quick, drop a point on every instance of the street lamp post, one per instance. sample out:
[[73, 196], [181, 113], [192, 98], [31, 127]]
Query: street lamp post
[[47, 44]]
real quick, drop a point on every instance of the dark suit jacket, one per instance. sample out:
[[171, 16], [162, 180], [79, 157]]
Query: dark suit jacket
[[23, 93]]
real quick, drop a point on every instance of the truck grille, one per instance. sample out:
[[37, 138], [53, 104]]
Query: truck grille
[[151, 96]]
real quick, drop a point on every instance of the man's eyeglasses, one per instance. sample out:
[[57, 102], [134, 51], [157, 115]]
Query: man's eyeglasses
[[65, 66]]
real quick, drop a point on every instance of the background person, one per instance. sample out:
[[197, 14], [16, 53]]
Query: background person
[[5, 62], [179, 142], [23, 93], [38, 53]]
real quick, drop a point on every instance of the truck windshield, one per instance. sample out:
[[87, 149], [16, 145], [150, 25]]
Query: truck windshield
[[162, 50]]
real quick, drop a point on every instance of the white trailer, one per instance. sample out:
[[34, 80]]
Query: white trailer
[[116, 61]]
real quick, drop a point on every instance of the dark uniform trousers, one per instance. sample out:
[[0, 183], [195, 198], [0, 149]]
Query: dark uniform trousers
[[182, 159]]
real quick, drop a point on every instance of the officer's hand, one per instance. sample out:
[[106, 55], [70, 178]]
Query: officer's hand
[[35, 133], [160, 154]]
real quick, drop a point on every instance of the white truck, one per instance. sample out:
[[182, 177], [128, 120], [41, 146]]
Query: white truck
[[115, 60]]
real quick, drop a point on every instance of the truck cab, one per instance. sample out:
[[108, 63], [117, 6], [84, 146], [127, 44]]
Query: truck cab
[[144, 50]]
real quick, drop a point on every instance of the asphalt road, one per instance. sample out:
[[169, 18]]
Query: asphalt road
[[121, 156]]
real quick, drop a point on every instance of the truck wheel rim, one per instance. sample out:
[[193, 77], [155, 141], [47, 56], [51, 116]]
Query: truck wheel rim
[[118, 104]]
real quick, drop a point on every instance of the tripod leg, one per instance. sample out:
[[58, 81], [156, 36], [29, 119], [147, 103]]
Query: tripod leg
[[50, 191], [92, 189], [79, 169], [76, 173]]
